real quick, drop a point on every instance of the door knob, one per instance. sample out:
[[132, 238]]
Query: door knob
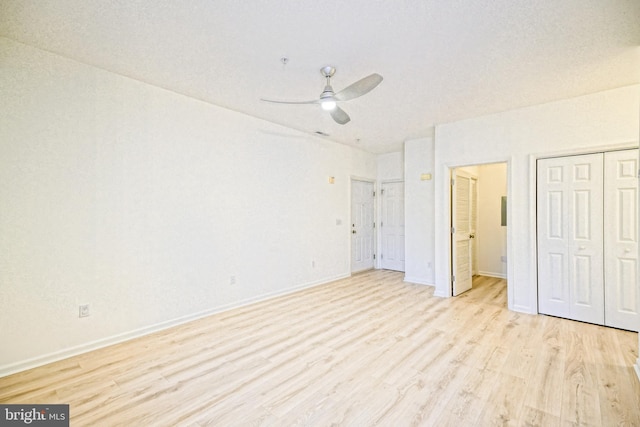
[[472, 236]]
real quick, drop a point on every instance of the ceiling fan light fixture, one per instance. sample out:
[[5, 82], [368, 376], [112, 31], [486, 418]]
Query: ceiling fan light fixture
[[328, 104]]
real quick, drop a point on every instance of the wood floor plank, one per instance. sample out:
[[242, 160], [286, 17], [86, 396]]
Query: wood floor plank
[[505, 402], [366, 350]]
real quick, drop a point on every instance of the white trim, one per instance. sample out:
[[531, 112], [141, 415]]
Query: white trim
[[637, 367], [137, 333], [524, 309], [417, 281], [492, 274]]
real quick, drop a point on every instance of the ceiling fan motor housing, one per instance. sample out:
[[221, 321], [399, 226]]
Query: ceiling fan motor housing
[[328, 71]]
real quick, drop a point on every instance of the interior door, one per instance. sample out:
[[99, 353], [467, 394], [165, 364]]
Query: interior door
[[362, 226], [392, 226], [622, 304], [461, 232], [570, 237], [473, 224]]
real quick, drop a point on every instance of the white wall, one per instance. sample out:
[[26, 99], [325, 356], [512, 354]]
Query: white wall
[[390, 167], [419, 211], [492, 237], [602, 120], [143, 203]]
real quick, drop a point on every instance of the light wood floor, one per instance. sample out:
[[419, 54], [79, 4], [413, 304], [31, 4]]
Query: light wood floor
[[368, 350]]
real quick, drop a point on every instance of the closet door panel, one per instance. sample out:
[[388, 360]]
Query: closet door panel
[[570, 241], [622, 302], [585, 238], [553, 239]]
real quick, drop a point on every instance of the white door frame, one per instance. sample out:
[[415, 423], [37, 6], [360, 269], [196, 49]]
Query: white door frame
[[447, 172], [374, 215]]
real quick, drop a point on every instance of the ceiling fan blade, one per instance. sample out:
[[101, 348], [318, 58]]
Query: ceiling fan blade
[[359, 88], [315, 101], [340, 116]]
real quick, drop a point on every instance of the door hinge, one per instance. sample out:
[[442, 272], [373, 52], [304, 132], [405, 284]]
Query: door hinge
[[453, 279], [381, 223], [453, 230], [374, 225], [382, 192], [374, 256], [638, 173], [453, 182], [374, 194], [381, 256]]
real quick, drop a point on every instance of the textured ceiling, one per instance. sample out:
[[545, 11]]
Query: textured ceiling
[[442, 60]]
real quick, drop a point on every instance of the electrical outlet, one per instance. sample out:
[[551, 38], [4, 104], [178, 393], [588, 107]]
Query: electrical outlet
[[232, 280], [83, 311]]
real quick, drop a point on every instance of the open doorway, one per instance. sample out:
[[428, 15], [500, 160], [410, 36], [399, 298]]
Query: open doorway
[[478, 225]]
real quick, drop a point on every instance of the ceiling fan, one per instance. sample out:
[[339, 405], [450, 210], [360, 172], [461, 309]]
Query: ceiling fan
[[328, 99]]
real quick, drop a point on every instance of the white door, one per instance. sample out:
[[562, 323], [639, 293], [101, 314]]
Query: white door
[[392, 226], [621, 240], [570, 237], [362, 226], [473, 225], [461, 232]]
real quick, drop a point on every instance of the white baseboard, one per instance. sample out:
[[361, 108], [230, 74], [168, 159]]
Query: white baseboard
[[492, 274], [523, 309], [137, 333], [417, 280]]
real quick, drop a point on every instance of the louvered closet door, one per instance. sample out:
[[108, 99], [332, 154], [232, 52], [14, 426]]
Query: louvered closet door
[[461, 255], [570, 237], [621, 240]]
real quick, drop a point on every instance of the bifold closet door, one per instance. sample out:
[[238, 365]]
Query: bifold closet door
[[570, 237], [621, 239]]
